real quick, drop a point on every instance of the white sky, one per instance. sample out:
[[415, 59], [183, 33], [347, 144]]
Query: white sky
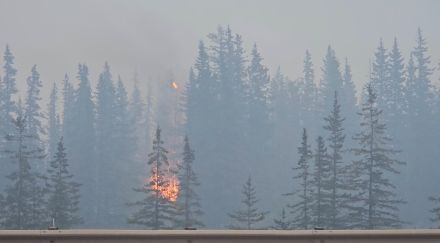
[[159, 38]]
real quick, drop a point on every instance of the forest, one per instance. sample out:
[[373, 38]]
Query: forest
[[236, 145]]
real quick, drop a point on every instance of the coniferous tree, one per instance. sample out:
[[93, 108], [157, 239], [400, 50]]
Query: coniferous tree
[[320, 182], [380, 77], [397, 106], [282, 223], [63, 191], [422, 90], [82, 147], [54, 127], [336, 137], [200, 91], [421, 129], [106, 146], [188, 201], [308, 94], [411, 86], [33, 113], [124, 171], [226, 122], [258, 102], [137, 114], [249, 215], [376, 199], [331, 80], [348, 101], [8, 108], [149, 114], [68, 114], [435, 211], [154, 210], [8, 91], [301, 208], [285, 109], [24, 202]]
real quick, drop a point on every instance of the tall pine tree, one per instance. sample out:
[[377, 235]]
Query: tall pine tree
[[308, 94], [8, 108], [154, 211], [24, 203], [377, 200], [320, 183], [249, 215], [54, 126], [336, 138], [188, 201], [302, 199], [281, 223], [81, 146], [63, 191]]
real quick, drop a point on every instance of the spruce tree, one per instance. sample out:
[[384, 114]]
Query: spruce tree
[[8, 91], [259, 125], [282, 223], [331, 80], [54, 127], [137, 115], [188, 201], [63, 191], [285, 119], [82, 147], [308, 94], [124, 171], [24, 203], [320, 183], [34, 115], [301, 206], [226, 122], [348, 100], [154, 211], [249, 215], [200, 92], [336, 137], [378, 205], [397, 105], [8, 108], [422, 90], [435, 211], [106, 145], [33, 112], [380, 77], [69, 98]]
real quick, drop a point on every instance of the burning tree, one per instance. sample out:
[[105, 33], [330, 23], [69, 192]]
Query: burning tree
[[156, 209]]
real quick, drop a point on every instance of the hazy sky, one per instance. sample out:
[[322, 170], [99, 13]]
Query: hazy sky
[[159, 38]]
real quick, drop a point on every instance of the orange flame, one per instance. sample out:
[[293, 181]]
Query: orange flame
[[174, 85], [170, 189]]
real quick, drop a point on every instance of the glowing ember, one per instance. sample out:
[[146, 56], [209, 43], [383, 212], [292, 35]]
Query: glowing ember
[[171, 191], [174, 85], [168, 187]]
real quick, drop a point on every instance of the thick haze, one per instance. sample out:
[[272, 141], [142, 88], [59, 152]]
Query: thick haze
[[239, 121], [159, 38]]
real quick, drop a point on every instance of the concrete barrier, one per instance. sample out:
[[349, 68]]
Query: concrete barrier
[[217, 236]]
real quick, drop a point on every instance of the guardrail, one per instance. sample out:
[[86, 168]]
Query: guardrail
[[217, 236]]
